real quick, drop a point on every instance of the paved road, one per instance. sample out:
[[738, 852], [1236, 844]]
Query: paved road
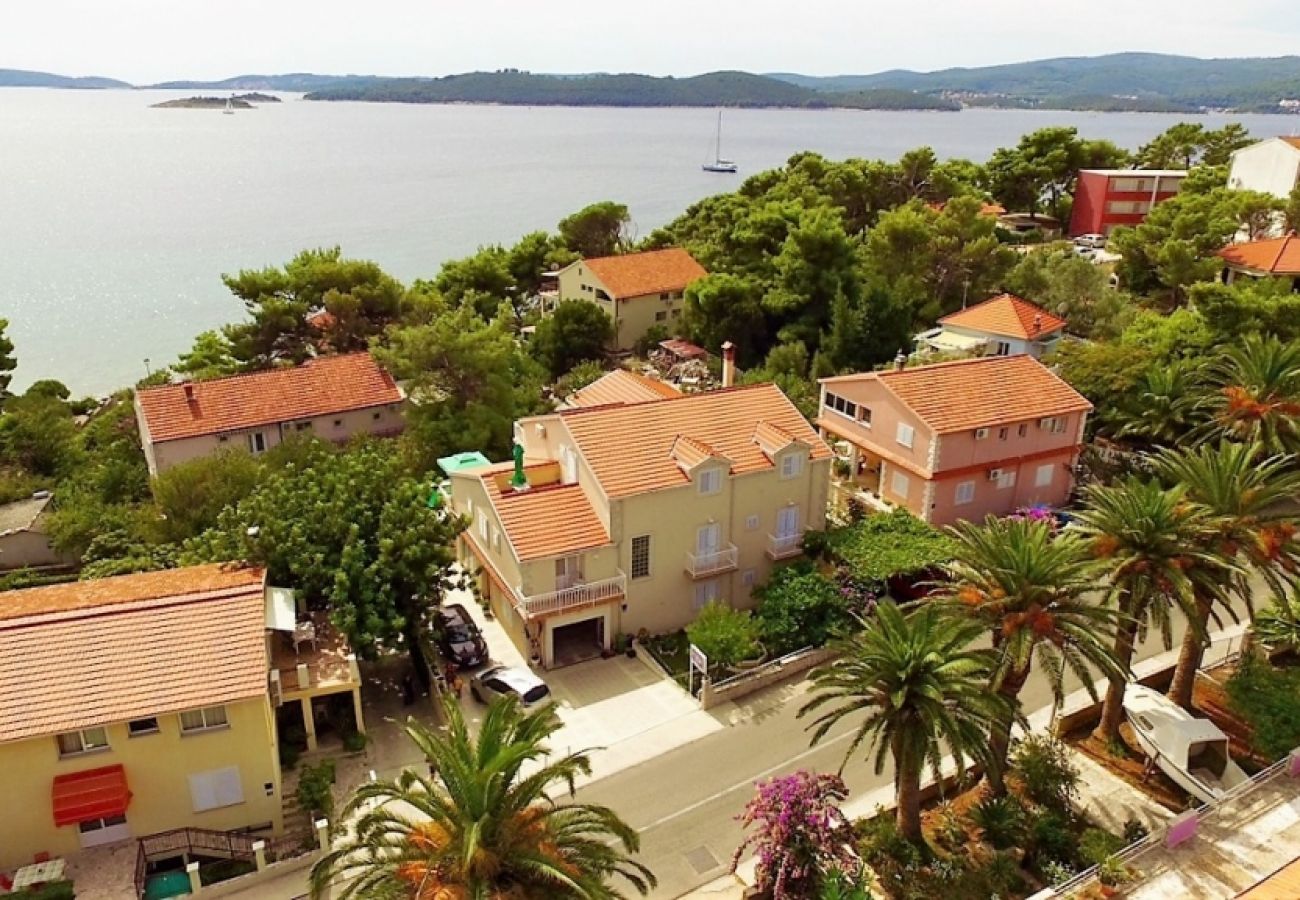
[[685, 802]]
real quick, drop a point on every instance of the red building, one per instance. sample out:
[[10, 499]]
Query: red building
[[1105, 198]]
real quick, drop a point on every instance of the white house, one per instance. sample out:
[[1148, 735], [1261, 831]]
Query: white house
[[1271, 166]]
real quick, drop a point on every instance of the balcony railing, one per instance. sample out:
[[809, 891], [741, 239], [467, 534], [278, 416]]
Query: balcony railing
[[701, 565], [783, 546], [574, 596]]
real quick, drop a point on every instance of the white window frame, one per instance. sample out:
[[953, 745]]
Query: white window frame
[[482, 527], [906, 435], [90, 826], [787, 521], [981, 433], [1044, 475], [710, 480], [1004, 433], [86, 744], [965, 493], [1003, 348], [900, 478], [213, 718], [133, 732], [257, 442], [633, 567], [843, 406], [707, 592], [1007, 480], [792, 465], [1023, 429]]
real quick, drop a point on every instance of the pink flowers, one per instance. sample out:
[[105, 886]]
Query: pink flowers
[[801, 834]]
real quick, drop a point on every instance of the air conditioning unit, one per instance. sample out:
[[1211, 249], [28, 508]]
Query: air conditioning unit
[[995, 474], [981, 433], [1045, 422]]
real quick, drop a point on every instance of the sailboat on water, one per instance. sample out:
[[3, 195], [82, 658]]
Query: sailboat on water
[[719, 164], [230, 107]]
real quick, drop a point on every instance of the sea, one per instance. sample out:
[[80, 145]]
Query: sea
[[117, 220]]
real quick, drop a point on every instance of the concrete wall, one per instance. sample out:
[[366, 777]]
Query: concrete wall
[[998, 498], [157, 767], [1271, 166], [959, 450], [881, 435], [1016, 346], [764, 677], [337, 427], [23, 549], [632, 316]]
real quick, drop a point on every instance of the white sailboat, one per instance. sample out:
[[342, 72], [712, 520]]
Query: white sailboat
[[719, 164], [230, 107], [1192, 752]]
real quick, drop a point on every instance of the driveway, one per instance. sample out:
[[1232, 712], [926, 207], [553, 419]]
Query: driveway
[[617, 708]]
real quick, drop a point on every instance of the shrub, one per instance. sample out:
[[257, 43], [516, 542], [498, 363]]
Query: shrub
[[815, 544], [224, 870], [949, 828], [1134, 831], [800, 833], [316, 789], [1279, 624], [53, 890], [1265, 697], [355, 741], [1097, 846], [889, 544], [725, 635], [1055, 872], [1043, 766], [799, 607], [1001, 820], [1050, 839]]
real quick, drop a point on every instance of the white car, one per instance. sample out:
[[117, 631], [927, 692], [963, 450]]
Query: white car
[[508, 681], [1091, 241]]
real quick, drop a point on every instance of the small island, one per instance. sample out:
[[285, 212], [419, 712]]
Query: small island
[[237, 101]]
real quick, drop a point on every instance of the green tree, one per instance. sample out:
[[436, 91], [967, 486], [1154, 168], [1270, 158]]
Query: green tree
[[577, 378], [1292, 214], [488, 820], [1189, 144], [727, 636], [468, 380], [483, 281], [7, 361], [37, 434], [799, 607], [1074, 288], [1255, 394], [721, 307], [1164, 408], [1044, 167], [212, 356], [1249, 499], [1147, 538], [596, 230], [1248, 305], [1030, 589], [919, 689], [575, 331], [48, 387], [361, 299], [815, 269], [192, 495]]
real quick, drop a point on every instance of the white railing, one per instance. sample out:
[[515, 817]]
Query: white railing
[[779, 546], [724, 560], [577, 595]]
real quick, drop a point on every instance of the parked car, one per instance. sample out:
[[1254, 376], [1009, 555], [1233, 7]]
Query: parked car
[[459, 639], [1085, 252], [509, 681], [1092, 241]]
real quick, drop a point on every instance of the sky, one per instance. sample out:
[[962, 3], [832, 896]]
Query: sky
[[143, 41]]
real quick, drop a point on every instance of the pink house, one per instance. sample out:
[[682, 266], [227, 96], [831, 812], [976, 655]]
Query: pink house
[[957, 440]]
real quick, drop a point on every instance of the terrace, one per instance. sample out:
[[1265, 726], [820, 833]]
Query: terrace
[[306, 668]]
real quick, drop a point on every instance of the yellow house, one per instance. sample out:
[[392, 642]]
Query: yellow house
[[634, 515], [135, 705], [636, 290]]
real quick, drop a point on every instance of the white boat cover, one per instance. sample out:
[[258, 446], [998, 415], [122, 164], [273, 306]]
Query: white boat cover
[[1172, 729]]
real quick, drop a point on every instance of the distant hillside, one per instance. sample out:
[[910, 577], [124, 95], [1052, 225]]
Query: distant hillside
[[22, 78], [1144, 80], [714, 89], [296, 81]]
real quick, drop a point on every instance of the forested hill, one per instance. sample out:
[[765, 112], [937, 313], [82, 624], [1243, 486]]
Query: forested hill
[[514, 87], [1147, 80], [23, 78]]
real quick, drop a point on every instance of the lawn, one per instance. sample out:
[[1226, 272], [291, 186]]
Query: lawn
[[672, 651]]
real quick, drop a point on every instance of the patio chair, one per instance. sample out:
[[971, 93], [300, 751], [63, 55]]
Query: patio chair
[[304, 633]]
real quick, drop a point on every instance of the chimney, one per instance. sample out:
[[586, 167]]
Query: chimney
[[189, 392], [1038, 322], [728, 364], [900, 361]]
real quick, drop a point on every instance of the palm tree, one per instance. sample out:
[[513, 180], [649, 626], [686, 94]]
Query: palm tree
[[1034, 591], [1250, 498], [920, 688], [1166, 408], [1147, 537], [478, 827], [1256, 396]]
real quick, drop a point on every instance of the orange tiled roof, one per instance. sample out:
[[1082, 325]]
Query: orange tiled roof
[[630, 448], [1283, 884], [550, 520], [652, 272], [978, 393], [772, 438], [621, 386], [690, 452], [1293, 141], [319, 387], [95, 652], [1279, 256], [1008, 315]]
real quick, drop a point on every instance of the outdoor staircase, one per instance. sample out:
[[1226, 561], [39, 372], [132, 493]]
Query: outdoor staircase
[[297, 824]]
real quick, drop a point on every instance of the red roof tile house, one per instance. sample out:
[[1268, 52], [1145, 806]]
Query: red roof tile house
[[1275, 258], [957, 440], [636, 290], [135, 705], [1002, 326], [637, 512], [332, 397]]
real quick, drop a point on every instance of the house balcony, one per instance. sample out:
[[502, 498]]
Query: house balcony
[[323, 664], [573, 596], [706, 565], [784, 546]]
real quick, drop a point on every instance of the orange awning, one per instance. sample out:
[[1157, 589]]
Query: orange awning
[[93, 794]]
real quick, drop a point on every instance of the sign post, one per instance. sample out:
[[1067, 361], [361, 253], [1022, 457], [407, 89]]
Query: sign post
[[698, 660]]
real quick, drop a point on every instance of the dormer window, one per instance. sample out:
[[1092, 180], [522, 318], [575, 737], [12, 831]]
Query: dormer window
[[710, 481], [791, 465]]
